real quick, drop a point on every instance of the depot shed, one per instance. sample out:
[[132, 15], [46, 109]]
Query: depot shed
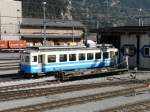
[[132, 41]]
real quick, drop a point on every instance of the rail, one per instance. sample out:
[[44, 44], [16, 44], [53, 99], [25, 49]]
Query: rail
[[72, 101]]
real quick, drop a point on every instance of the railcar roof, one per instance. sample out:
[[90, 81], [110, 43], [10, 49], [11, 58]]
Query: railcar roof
[[65, 48]]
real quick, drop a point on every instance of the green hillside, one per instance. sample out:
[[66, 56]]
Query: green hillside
[[91, 12]]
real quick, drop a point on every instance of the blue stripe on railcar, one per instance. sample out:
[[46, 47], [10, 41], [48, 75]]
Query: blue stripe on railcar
[[53, 67], [31, 69], [75, 65]]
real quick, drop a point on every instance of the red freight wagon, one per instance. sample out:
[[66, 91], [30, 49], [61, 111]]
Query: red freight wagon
[[3, 44], [17, 44]]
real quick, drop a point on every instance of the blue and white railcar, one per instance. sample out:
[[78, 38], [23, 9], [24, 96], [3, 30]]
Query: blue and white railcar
[[49, 60]]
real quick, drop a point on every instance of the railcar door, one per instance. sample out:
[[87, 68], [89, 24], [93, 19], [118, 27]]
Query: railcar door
[[41, 62]]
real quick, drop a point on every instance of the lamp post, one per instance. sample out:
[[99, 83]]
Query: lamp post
[[44, 22]]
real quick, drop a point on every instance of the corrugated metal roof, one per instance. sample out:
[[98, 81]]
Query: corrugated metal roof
[[124, 29], [51, 23]]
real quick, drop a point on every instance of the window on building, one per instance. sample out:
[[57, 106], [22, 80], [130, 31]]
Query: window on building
[[63, 57], [98, 55], [72, 57], [34, 58], [105, 55], [82, 56], [89, 56], [147, 51], [51, 58]]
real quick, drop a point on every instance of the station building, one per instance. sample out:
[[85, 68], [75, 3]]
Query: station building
[[132, 41], [58, 32]]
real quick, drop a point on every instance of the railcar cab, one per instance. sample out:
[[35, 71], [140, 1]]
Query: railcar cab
[[32, 62], [109, 54], [113, 55]]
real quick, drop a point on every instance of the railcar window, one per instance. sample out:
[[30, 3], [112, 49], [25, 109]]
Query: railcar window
[[89, 56], [34, 58], [116, 53], [98, 55], [27, 59], [51, 58], [105, 55], [63, 58], [40, 59], [72, 57], [112, 54], [81, 56]]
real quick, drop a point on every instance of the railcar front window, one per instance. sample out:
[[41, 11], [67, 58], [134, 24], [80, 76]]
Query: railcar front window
[[105, 55], [34, 58], [72, 57], [98, 55], [116, 53], [27, 59], [89, 56], [51, 58], [63, 58], [112, 54], [82, 56]]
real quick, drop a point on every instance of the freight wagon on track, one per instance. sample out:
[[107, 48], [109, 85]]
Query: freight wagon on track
[[12, 45]]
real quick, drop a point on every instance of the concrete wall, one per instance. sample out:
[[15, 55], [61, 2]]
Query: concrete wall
[[144, 61], [10, 16], [129, 40]]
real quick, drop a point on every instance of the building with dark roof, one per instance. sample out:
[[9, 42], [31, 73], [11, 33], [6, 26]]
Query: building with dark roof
[[58, 32], [132, 41]]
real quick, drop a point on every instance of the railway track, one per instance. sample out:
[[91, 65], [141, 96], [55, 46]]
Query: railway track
[[22, 94], [143, 106], [28, 85], [9, 64], [74, 101], [46, 82]]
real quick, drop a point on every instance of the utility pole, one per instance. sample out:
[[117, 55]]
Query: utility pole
[[0, 28], [44, 22], [140, 19], [73, 34], [98, 35], [107, 5], [19, 24]]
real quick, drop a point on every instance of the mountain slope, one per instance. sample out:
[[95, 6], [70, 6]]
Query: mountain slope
[[91, 12]]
